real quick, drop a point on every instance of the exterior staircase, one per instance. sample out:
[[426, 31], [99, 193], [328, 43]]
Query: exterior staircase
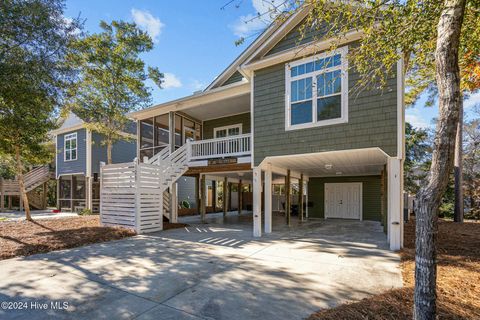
[[32, 179], [133, 194], [173, 166]]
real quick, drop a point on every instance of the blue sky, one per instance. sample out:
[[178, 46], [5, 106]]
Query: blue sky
[[194, 40]]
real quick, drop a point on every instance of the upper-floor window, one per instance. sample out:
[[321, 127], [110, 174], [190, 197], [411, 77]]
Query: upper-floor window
[[227, 131], [70, 146], [317, 90]]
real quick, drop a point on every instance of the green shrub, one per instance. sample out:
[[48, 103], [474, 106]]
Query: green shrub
[[85, 212], [185, 204], [446, 210], [473, 213]]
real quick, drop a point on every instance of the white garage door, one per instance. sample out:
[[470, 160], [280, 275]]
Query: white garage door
[[343, 200]]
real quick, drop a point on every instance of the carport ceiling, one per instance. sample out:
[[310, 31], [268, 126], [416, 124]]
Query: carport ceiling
[[335, 163]]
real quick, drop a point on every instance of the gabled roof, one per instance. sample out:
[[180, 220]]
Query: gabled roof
[[264, 42], [72, 122]]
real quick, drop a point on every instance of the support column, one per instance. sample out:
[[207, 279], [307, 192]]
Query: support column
[[287, 197], [229, 202], [203, 198], [59, 180], [214, 196], [257, 202], [395, 204], [300, 197], [268, 200], [240, 196], [197, 193], [225, 196], [44, 198], [2, 200], [88, 193], [174, 203], [73, 186], [171, 127]]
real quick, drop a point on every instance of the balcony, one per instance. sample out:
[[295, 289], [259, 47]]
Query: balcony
[[234, 146]]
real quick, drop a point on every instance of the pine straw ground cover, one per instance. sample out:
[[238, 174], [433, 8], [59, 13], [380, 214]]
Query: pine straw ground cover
[[458, 279], [24, 238]]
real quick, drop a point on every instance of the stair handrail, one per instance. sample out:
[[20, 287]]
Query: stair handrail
[[162, 155]]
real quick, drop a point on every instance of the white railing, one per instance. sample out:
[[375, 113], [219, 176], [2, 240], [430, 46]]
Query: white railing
[[159, 157], [233, 146], [132, 194]]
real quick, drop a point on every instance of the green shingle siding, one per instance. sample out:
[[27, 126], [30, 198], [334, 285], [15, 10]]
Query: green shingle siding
[[372, 120], [294, 38], [371, 195], [236, 77], [210, 125]]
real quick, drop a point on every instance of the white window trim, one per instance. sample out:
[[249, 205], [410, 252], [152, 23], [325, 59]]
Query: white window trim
[[70, 136], [343, 51], [238, 125]]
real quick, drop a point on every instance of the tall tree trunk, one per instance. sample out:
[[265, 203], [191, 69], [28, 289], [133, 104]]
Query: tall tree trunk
[[429, 197], [109, 151], [458, 170], [21, 183]]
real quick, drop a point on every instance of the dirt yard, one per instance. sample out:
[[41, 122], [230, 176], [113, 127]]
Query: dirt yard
[[458, 280], [23, 238]]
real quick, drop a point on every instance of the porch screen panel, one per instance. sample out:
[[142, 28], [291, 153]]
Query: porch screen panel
[[161, 132]]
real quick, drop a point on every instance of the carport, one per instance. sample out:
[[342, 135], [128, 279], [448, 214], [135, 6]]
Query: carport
[[349, 184]]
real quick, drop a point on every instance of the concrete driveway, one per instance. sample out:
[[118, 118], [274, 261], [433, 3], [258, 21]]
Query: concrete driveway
[[213, 271]]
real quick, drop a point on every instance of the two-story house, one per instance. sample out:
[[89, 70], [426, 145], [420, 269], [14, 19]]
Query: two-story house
[[79, 152], [283, 113]]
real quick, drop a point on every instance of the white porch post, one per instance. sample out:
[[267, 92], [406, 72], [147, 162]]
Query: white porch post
[[257, 202], [268, 200], [395, 204], [89, 185], [174, 203]]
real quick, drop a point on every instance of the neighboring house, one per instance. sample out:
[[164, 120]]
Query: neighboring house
[[77, 163], [282, 113]]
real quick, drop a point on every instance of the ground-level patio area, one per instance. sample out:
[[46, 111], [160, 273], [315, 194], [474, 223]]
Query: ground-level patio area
[[216, 270]]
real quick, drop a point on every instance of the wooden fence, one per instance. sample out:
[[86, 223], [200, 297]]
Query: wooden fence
[[132, 196]]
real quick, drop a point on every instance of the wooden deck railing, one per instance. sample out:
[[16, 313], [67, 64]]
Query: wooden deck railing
[[233, 146]]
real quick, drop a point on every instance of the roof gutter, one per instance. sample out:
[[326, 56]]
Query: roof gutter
[[195, 100]]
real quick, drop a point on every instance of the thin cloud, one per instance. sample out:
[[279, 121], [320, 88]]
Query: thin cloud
[[265, 12], [472, 101], [145, 20], [171, 81], [416, 121], [197, 85]]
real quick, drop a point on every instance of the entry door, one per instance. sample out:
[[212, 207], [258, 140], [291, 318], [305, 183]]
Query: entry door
[[343, 200]]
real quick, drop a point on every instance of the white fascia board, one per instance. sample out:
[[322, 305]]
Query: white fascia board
[[227, 73], [269, 38], [196, 100], [301, 51], [69, 129], [278, 35]]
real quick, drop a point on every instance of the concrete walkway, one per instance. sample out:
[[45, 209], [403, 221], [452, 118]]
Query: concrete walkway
[[211, 271], [16, 215]]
